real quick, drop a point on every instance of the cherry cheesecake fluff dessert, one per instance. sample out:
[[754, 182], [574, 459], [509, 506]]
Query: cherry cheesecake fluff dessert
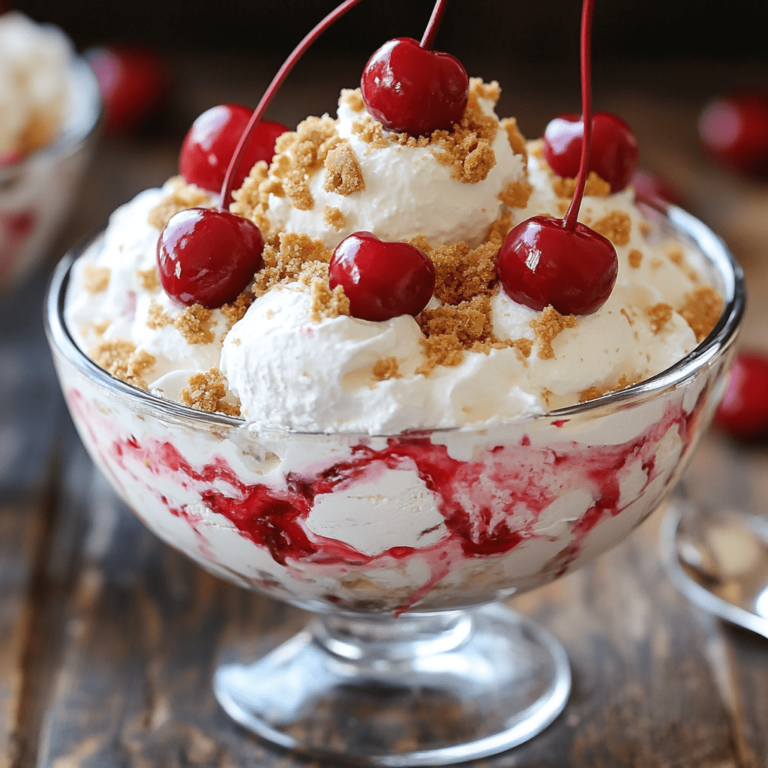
[[49, 105], [370, 380]]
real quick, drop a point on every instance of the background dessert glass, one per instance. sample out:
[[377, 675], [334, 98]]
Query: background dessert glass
[[401, 544], [36, 193]]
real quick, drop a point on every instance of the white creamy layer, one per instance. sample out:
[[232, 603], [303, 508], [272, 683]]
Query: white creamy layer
[[34, 63], [407, 193], [291, 372]]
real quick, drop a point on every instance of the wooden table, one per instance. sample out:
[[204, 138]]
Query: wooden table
[[108, 638]]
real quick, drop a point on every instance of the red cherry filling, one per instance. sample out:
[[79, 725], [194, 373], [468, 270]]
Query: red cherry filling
[[382, 280], [211, 142], [133, 82], [743, 411], [734, 130], [207, 256], [614, 152], [413, 90], [542, 263]]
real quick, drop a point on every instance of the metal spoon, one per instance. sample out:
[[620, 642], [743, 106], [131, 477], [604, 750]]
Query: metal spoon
[[718, 558]]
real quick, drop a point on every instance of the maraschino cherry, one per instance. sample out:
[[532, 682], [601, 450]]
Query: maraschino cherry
[[562, 263], [614, 153], [208, 256], [381, 279], [734, 130], [409, 88], [743, 411], [211, 141]]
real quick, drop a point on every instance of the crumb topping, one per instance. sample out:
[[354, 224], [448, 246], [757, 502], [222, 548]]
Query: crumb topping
[[333, 217], [677, 257], [372, 133], [343, 174], [701, 310], [286, 262], [180, 197], [386, 368], [516, 139], [594, 392], [353, 98], [616, 226], [235, 311], [206, 392], [120, 358], [595, 186], [326, 302], [516, 194], [96, 279], [193, 323], [483, 90], [148, 279], [635, 258], [626, 314], [659, 314], [547, 327], [461, 272]]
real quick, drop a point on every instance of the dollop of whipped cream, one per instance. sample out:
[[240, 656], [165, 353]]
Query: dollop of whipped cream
[[34, 86], [289, 357]]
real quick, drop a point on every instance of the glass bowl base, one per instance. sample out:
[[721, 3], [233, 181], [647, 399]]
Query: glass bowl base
[[422, 689]]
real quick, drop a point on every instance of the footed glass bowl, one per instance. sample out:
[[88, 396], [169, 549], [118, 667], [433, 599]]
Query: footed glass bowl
[[402, 545]]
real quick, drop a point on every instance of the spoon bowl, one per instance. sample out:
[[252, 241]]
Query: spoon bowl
[[718, 558]]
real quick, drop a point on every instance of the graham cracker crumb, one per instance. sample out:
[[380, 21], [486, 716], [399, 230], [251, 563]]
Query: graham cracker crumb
[[252, 199], [157, 317], [468, 322], [536, 148], [120, 358], [326, 302], [516, 139], [626, 314], [96, 279], [656, 264], [462, 272], [180, 197], [285, 263], [546, 327], [616, 226], [593, 392], [148, 279], [440, 350], [645, 228], [524, 346], [467, 149], [193, 323], [595, 186], [333, 217], [483, 90], [635, 258], [206, 392], [353, 98], [298, 154], [516, 194], [371, 132], [385, 368], [342, 170], [659, 314], [676, 256], [100, 328], [701, 310], [235, 311]]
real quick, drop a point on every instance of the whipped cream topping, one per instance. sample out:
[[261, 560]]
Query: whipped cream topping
[[399, 201], [34, 82], [288, 368]]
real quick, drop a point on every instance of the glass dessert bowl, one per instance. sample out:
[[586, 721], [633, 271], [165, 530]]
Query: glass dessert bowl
[[36, 186], [402, 545]]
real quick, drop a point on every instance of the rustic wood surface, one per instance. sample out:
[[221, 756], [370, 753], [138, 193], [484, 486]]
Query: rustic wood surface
[[108, 638]]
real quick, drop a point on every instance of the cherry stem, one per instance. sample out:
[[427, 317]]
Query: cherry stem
[[277, 81], [571, 217], [430, 33]]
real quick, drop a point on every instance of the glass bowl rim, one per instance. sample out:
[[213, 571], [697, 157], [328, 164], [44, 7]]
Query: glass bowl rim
[[70, 138], [720, 338]]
